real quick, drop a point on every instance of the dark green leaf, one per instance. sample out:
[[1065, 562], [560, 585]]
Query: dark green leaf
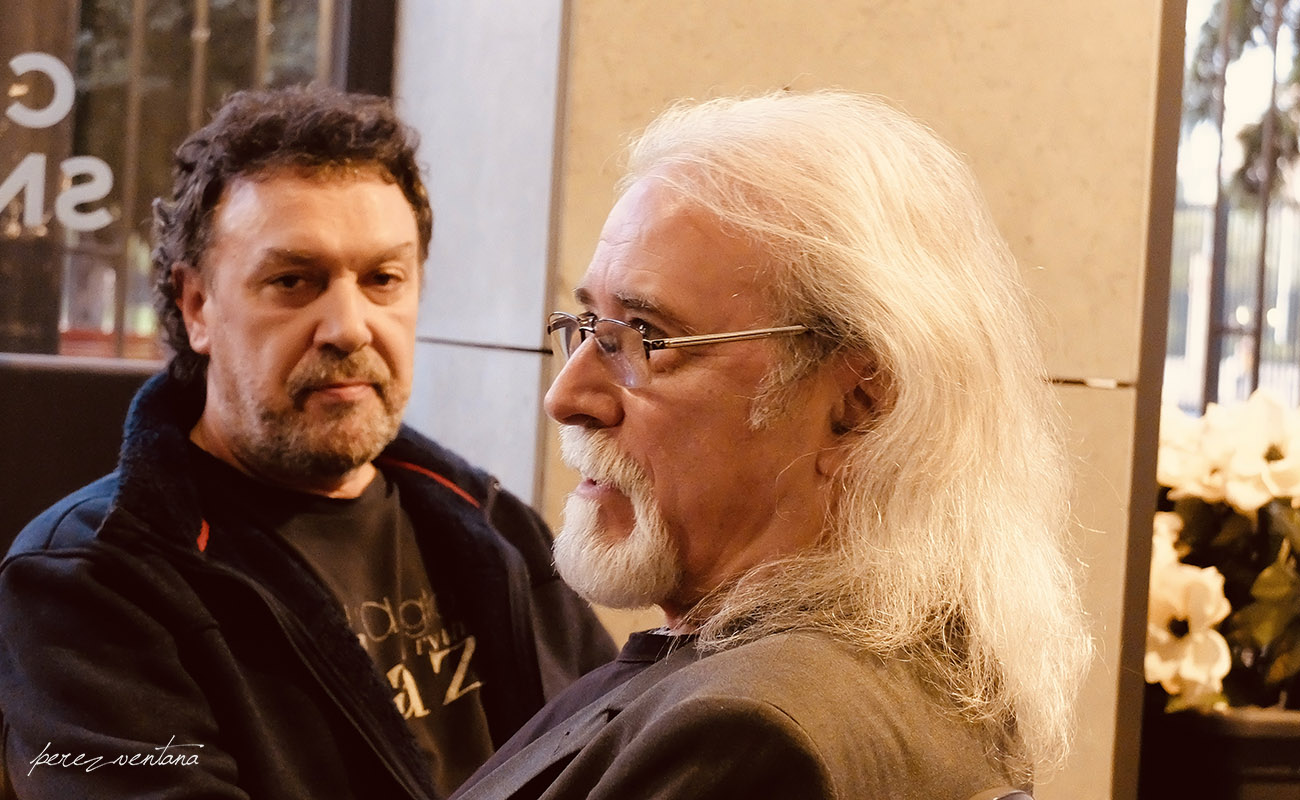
[[1277, 583], [1286, 521], [1286, 659], [1262, 622], [1179, 702], [1234, 529]]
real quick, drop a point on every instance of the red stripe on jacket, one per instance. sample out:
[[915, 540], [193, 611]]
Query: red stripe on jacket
[[442, 479], [202, 540]]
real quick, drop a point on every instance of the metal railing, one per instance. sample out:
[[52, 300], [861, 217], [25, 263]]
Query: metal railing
[[1190, 329]]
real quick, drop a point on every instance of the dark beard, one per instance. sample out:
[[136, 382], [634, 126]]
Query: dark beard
[[327, 449], [286, 445]]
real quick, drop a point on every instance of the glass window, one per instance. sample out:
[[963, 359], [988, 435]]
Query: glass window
[[97, 102], [1234, 311]]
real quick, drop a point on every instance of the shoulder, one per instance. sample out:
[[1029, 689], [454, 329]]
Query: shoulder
[[71, 522], [871, 725], [810, 677], [458, 485], [58, 595], [687, 733]]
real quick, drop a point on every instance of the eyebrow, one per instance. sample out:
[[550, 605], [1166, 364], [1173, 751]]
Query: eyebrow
[[284, 255], [639, 303]]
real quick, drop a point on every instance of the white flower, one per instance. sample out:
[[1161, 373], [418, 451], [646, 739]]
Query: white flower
[[1164, 544], [1259, 433], [1191, 663], [1244, 454], [1181, 462], [1282, 477]]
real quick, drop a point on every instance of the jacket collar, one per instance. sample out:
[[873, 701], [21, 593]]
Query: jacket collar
[[154, 468], [156, 484]]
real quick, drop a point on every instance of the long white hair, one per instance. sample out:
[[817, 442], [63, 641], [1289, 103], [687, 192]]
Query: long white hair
[[947, 540]]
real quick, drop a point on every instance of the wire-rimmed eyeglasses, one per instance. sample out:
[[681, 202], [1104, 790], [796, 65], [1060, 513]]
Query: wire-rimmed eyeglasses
[[627, 350]]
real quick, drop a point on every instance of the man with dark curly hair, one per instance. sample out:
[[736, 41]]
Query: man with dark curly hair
[[282, 591]]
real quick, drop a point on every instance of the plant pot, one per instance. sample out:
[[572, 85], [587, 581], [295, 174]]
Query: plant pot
[[1236, 754]]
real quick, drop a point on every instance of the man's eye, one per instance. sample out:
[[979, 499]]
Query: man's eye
[[289, 281], [644, 328]]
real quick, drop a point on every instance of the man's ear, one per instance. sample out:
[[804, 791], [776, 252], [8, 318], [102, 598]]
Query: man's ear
[[863, 392], [192, 299], [863, 389]]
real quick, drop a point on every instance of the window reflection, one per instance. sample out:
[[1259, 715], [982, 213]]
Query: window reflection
[[146, 72]]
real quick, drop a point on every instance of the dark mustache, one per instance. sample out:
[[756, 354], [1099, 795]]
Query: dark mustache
[[326, 368]]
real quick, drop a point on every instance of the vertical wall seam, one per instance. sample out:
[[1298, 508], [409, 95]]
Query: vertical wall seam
[[1151, 361]]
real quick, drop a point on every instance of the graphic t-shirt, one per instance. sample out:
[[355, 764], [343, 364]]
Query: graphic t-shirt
[[364, 550]]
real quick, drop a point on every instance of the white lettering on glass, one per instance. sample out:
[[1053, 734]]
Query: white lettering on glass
[[28, 177], [65, 90], [89, 191]]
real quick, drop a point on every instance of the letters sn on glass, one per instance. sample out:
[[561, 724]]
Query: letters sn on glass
[[28, 177]]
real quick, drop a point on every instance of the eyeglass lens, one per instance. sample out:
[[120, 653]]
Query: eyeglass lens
[[622, 347]]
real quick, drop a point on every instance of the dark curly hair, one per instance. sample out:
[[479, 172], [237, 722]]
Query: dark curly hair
[[309, 128]]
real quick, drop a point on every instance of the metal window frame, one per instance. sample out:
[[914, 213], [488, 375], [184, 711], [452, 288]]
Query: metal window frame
[[364, 35]]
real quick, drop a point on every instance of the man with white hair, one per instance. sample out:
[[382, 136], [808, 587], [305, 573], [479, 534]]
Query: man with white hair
[[812, 427]]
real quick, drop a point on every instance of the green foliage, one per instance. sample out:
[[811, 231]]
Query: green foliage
[[1256, 558], [1179, 702], [1248, 25], [1286, 657], [1200, 89], [1285, 521]]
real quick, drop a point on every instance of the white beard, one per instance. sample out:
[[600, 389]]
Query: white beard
[[633, 571]]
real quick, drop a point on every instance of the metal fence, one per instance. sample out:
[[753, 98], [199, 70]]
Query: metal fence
[[1189, 325]]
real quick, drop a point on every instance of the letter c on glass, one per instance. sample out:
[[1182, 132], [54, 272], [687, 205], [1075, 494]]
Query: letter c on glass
[[65, 90]]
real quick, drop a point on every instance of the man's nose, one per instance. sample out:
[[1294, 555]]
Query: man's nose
[[344, 317], [586, 392]]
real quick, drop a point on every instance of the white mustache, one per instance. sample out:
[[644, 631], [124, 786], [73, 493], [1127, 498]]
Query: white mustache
[[596, 458]]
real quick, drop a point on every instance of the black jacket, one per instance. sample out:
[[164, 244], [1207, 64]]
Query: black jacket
[[129, 626]]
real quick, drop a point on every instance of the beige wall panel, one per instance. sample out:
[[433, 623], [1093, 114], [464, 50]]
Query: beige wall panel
[[458, 401], [1101, 432], [479, 81]]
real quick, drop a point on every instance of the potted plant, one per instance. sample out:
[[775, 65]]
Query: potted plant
[[1223, 624]]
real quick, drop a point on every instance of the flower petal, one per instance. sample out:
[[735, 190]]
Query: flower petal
[[1247, 493], [1206, 661], [1205, 603]]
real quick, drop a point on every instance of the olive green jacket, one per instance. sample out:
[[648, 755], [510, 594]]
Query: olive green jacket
[[789, 716]]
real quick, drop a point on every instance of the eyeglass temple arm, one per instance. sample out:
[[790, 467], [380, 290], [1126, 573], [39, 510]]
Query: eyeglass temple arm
[[707, 338]]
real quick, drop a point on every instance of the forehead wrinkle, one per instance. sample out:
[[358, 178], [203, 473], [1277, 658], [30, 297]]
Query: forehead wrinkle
[[307, 256]]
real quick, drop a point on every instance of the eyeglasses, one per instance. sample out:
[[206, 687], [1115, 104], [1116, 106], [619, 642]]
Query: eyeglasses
[[627, 350]]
